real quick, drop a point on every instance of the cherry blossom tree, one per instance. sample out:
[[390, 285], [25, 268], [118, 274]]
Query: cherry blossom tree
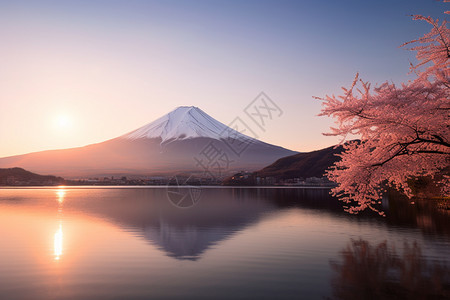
[[404, 130]]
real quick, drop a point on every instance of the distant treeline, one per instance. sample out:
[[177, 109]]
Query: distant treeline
[[21, 177]]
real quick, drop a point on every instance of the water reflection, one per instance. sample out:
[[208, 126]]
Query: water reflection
[[183, 234], [58, 242], [58, 236], [376, 271], [221, 214], [428, 215], [60, 193], [132, 243]]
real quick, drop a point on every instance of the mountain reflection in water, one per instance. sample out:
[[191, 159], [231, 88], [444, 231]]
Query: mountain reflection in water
[[277, 243], [188, 233]]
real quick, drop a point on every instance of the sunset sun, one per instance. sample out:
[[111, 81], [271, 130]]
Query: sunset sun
[[62, 122]]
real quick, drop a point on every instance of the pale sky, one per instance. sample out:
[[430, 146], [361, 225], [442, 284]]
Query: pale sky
[[74, 73]]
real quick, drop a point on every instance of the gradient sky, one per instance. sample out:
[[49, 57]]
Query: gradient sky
[[74, 73]]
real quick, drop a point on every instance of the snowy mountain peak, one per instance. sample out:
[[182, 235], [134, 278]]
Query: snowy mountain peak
[[184, 122]]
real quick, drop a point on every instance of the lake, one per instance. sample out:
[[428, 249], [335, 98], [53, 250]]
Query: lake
[[216, 243]]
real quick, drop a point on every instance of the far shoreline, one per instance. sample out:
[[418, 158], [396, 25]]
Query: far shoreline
[[161, 186]]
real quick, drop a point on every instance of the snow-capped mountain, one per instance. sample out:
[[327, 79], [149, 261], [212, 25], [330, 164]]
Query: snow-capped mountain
[[185, 140], [185, 122]]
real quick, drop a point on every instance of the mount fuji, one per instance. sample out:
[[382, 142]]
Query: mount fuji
[[184, 140]]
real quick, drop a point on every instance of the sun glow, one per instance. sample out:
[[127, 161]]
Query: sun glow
[[63, 121]]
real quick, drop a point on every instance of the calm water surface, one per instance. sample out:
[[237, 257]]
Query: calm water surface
[[213, 243]]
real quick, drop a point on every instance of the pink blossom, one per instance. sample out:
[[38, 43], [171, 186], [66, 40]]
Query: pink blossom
[[404, 130]]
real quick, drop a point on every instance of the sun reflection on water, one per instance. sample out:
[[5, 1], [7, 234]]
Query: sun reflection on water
[[61, 193], [57, 243], [58, 237]]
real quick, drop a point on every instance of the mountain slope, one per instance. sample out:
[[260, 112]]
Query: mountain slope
[[180, 141]]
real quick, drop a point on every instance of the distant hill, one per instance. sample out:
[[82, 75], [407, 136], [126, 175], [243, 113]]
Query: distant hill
[[21, 177], [301, 165]]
